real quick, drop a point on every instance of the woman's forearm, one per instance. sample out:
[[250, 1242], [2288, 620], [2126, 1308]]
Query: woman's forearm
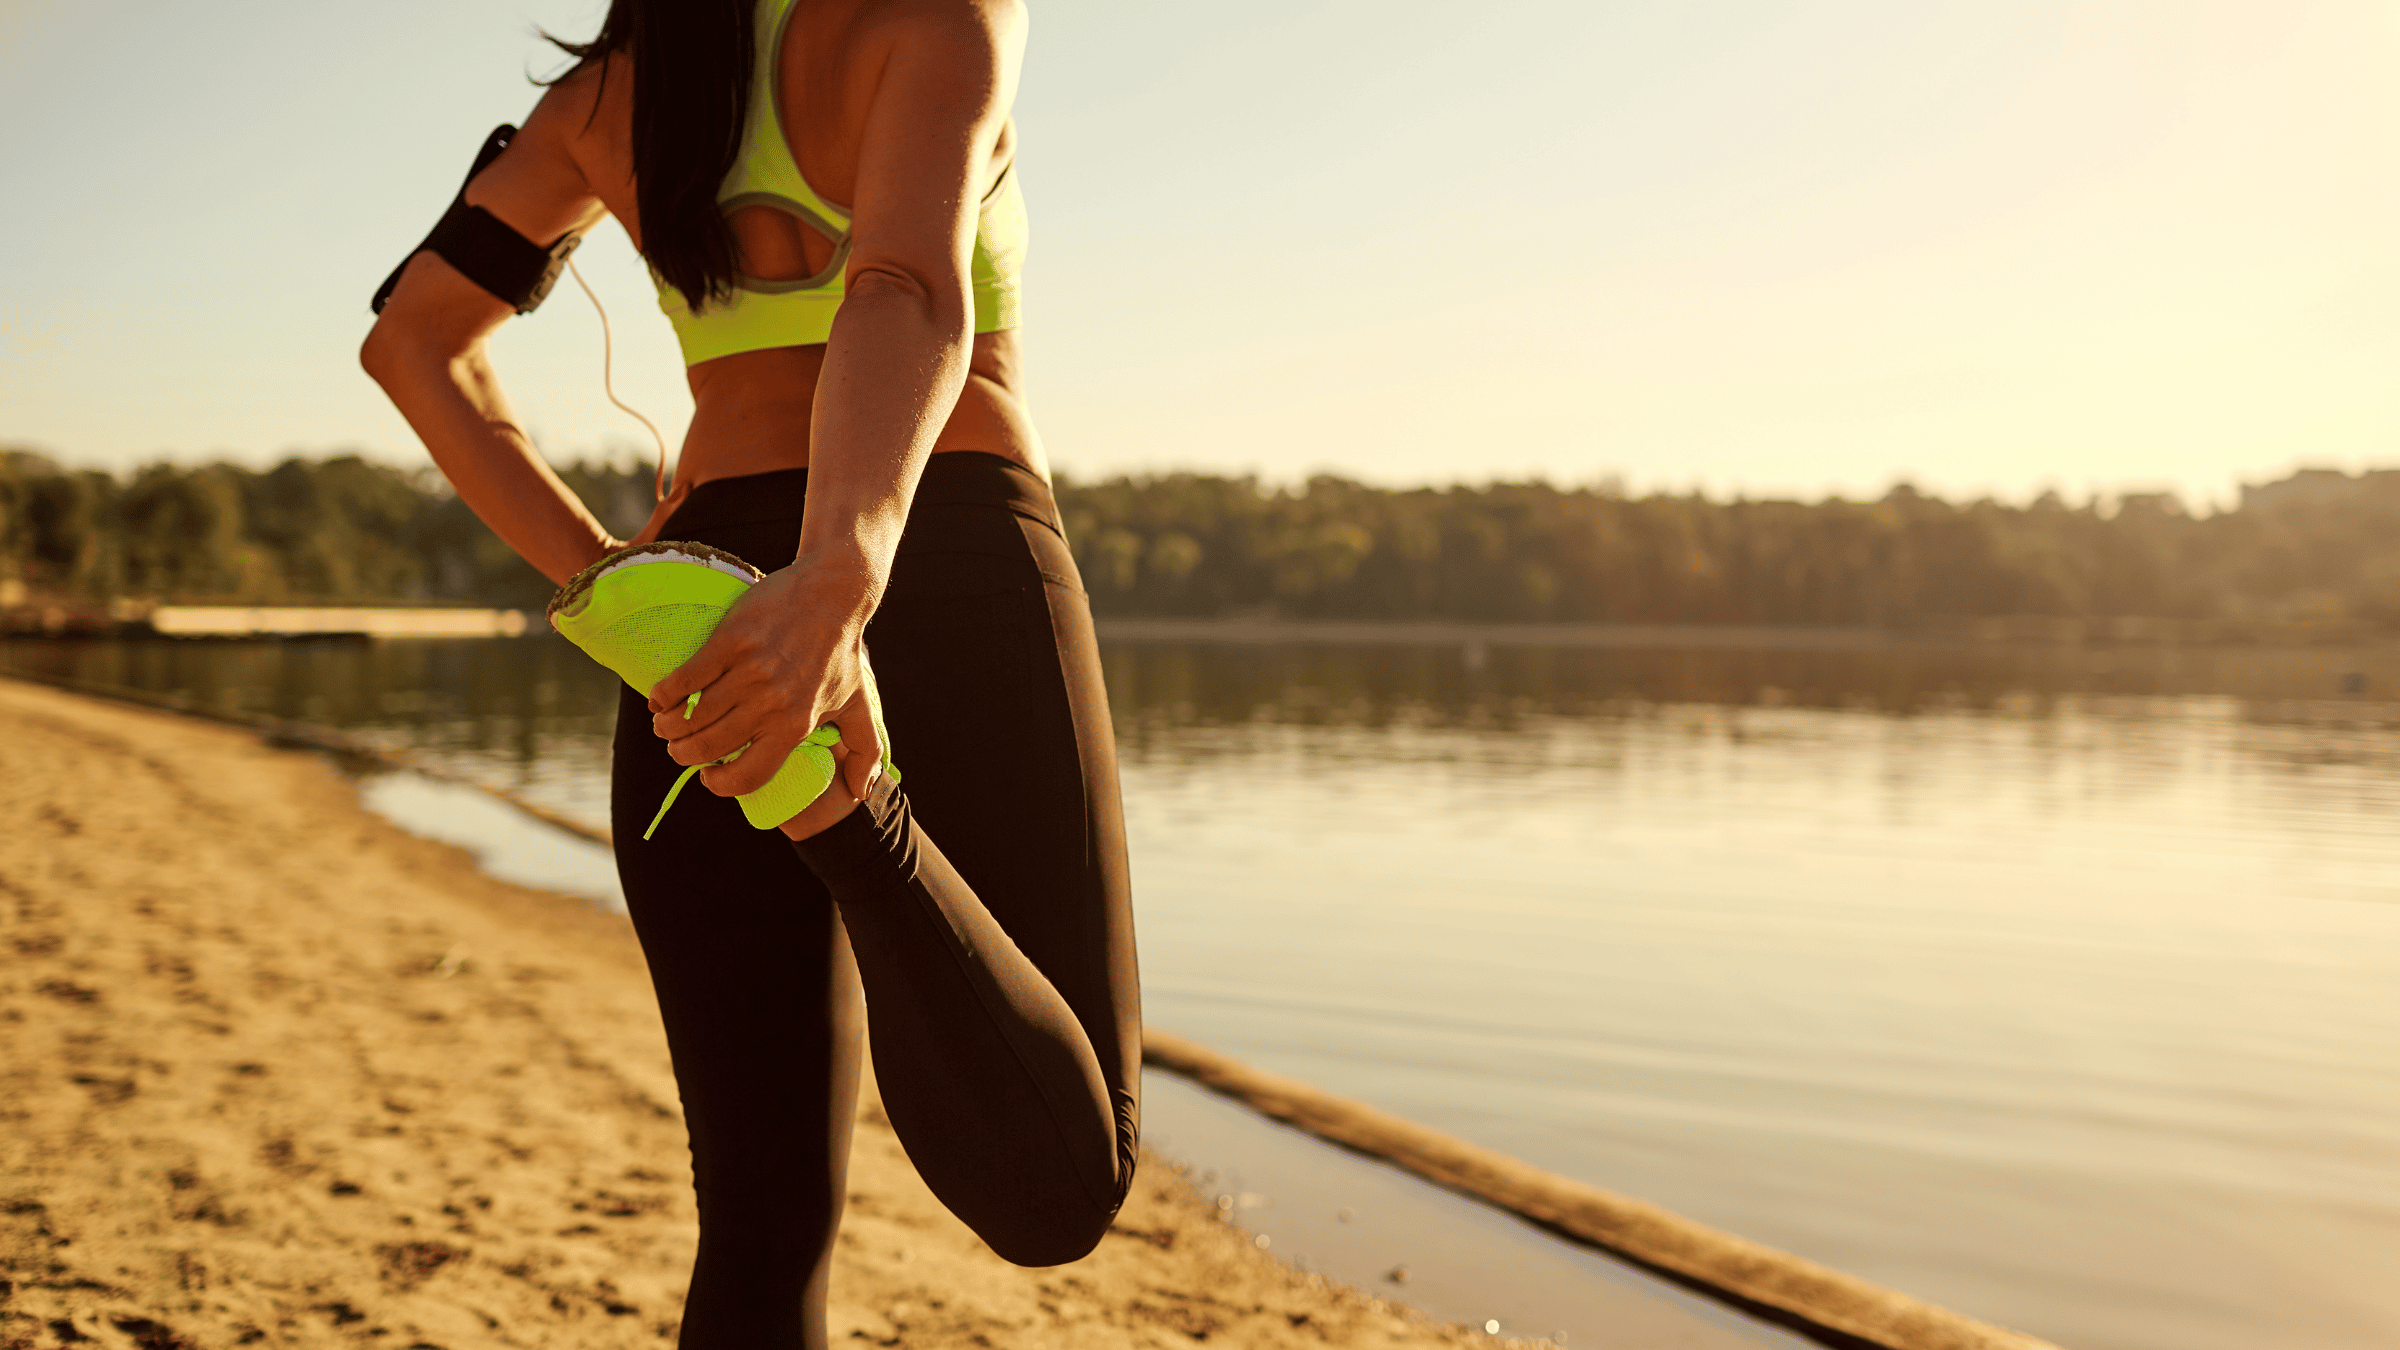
[[894, 366], [791, 655], [456, 407]]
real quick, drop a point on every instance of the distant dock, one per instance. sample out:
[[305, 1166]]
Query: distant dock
[[297, 621]]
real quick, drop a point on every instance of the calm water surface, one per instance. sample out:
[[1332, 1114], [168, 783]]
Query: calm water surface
[[2057, 986]]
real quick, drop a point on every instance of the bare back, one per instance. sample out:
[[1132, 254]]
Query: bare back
[[754, 411]]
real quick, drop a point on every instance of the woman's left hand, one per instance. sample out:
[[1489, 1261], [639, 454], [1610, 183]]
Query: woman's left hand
[[787, 658]]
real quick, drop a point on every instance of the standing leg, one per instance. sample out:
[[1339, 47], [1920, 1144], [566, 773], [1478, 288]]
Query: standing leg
[[760, 998]]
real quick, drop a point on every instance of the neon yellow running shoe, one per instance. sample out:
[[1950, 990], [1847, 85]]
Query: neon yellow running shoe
[[644, 611]]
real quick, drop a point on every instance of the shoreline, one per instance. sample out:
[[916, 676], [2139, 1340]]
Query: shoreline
[[1823, 1305], [279, 1073]]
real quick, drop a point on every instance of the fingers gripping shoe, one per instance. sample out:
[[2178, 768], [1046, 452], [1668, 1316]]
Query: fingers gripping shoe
[[642, 612]]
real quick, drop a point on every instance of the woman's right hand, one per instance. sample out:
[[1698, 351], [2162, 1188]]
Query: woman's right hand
[[789, 657], [836, 800]]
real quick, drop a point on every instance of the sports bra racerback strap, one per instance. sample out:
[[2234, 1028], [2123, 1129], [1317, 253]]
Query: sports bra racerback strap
[[763, 313]]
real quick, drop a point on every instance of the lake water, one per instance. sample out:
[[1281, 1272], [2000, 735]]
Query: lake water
[[2058, 986]]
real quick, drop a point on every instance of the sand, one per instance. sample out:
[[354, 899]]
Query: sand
[[273, 1072]]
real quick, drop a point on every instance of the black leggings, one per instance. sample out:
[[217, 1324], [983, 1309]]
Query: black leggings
[[998, 969]]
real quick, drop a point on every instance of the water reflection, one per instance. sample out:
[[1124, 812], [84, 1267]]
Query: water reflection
[[476, 693], [509, 696], [531, 714], [1159, 685]]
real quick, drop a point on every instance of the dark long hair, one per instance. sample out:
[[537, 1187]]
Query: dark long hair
[[691, 95]]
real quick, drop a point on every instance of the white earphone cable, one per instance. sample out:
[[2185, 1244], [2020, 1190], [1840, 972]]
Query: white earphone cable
[[658, 485]]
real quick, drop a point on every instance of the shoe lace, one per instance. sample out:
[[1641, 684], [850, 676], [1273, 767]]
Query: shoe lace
[[824, 737], [689, 706], [677, 791]]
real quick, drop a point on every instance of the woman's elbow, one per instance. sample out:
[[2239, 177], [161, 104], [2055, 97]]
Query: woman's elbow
[[371, 357], [1059, 1239], [942, 301], [384, 353], [398, 354]]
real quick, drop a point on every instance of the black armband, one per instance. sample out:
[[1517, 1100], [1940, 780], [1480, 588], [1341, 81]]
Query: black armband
[[486, 251]]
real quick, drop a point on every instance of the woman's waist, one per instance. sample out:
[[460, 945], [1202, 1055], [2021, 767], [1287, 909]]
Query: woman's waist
[[752, 426], [707, 460], [968, 481]]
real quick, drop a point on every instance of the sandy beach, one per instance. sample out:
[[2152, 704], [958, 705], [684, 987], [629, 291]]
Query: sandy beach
[[277, 1073]]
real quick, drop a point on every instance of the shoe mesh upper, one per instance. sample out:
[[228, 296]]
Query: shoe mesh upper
[[633, 621], [647, 645]]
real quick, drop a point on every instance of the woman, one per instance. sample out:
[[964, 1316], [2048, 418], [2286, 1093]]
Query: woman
[[824, 188]]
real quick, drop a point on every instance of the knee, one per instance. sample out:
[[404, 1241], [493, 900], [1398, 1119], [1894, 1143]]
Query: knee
[[1067, 1232], [1047, 1224], [1033, 1206]]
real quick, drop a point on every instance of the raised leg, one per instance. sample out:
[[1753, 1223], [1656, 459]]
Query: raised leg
[[990, 1082], [998, 965]]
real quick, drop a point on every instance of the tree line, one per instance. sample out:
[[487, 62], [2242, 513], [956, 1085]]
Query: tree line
[[2317, 551], [340, 529]]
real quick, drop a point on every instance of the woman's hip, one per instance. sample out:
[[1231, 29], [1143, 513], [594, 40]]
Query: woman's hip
[[983, 611], [959, 506]]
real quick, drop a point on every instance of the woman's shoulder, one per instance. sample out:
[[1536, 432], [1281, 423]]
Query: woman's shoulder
[[593, 99], [966, 28], [569, 160], [943, 53], [585, 118]]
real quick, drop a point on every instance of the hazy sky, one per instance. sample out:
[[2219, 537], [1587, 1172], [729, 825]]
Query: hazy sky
[[1764, 245]]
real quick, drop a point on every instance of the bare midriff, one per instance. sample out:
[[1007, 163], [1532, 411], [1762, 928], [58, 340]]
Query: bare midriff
[[751, 411]]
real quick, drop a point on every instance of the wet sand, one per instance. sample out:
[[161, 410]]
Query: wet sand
[[274, 1072]]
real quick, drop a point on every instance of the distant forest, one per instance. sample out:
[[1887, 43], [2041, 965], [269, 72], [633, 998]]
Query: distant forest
[[2319, 551]]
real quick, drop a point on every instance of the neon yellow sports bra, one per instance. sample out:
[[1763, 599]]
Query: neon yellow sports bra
[[763, 313]]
